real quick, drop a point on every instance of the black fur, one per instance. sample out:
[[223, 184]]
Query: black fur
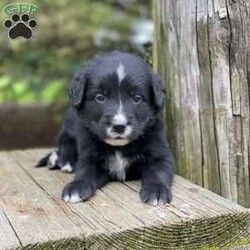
[[83, 138]]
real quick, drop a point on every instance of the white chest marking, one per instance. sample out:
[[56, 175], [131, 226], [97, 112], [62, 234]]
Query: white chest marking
[[117, 166]]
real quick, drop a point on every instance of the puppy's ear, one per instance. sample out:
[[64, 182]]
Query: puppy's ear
[[76, 89], [158, 91]]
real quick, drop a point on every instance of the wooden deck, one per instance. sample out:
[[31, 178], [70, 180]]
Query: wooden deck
[[32, 215]]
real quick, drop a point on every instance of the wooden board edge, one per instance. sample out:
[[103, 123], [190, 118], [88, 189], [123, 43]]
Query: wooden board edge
[[223, 232]]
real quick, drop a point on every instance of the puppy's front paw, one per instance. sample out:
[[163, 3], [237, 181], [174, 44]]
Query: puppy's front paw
[[155, 194], [77, 191]]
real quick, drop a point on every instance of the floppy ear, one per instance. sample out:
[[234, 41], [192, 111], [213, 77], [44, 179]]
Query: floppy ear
[[158, 91], [76, 89]]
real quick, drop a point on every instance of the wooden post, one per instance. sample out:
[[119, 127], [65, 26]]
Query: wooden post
[[202, 52]]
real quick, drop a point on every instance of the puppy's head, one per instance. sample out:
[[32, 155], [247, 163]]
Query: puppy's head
[[117, 97]]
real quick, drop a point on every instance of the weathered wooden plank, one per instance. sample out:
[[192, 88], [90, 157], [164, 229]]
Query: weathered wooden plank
[[202, 51], [210, 166], [114, 218], [182, 93], [31, 212], [189, 81], [219, 39], [239, 53], [8, 237], [91, 211]]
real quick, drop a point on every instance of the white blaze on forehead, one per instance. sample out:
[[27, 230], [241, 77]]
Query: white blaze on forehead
[[120, 109], [121, 75], [120, 72], [119, 118]]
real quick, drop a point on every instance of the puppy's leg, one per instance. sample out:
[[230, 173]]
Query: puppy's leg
[[156, 182], [43, 161], [87, 179], [67, 154], [49, 160], [63, 158]]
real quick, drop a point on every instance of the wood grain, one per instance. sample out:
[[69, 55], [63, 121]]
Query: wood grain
[[33, 216], [202, 51]]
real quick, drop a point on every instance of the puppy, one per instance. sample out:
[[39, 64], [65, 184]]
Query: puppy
[[113, 130]]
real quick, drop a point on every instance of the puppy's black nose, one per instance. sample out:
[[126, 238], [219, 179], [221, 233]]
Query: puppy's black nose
[[119, 128]]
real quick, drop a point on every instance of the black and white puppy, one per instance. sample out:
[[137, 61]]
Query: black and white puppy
[[113, 130]]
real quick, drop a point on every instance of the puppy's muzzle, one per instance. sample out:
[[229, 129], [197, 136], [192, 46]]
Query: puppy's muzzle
[[119, 125], [119, 131], [119, 128]]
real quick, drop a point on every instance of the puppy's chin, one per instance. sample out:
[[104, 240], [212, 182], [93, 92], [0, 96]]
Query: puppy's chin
[[117, 142]]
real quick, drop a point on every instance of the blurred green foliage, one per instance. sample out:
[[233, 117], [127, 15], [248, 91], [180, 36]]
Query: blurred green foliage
[[68, 34]]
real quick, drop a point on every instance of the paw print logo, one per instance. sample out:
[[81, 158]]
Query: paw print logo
[[20, 26]]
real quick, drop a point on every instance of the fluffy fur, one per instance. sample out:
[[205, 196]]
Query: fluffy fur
[[113, 130]]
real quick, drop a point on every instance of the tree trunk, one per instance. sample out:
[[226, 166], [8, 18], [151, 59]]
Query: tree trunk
[[202, 52]]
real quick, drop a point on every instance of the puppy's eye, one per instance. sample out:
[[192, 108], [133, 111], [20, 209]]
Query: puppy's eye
[[137, 99], [100, 98]]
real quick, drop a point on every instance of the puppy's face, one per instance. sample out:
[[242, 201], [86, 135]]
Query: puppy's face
[[119, 98]]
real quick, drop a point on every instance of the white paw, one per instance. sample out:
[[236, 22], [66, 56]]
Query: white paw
[[73, 198], [53, 160], [156, 202], [67, 168]]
